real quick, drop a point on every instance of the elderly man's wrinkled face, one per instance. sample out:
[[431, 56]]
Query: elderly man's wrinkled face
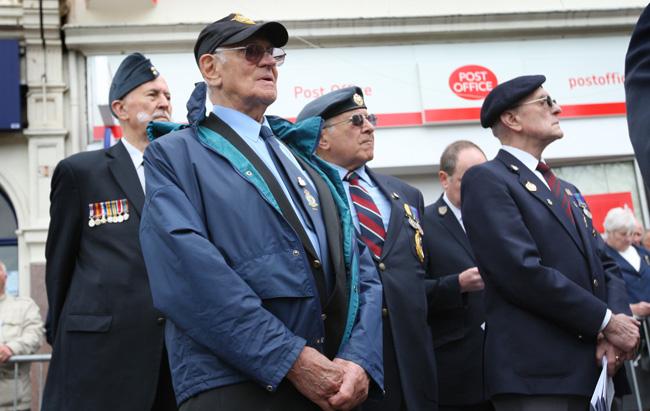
[[247, 86], [538, 118], [150, 101], [346, 144]]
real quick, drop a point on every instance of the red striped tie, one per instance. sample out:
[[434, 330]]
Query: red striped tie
[[556, 189], [370, 221]]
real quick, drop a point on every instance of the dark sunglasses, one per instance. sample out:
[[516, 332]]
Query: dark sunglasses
[[356, 120], [548, 100], [254, 53]]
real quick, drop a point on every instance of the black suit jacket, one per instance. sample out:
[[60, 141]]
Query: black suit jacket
[[548, 281], [637, 92], [455, 318], [402, 276], [107, 338]]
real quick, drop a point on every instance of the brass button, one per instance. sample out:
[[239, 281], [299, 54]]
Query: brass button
[[382, 266], [595, 283], [323, 316], [316, 264], [269, 388], [160, 320], [384, 312], [295, 253]]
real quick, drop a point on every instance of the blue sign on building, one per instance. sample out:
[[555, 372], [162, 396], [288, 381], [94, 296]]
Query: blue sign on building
[[10, 104]]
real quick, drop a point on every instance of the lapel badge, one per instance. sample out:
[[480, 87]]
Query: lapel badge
[[311, 201], [568, 192], [531, 186], [593, 232], [514, 168], [442, 210], [395, 196], [586, 211], [302, 182], [549, 201]]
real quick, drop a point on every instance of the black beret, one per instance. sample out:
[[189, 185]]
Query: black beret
[[135, 69], [507, 95], [235, 28], [334, 103]]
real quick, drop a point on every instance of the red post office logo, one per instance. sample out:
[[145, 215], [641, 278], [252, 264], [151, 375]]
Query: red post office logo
[[472, 82]]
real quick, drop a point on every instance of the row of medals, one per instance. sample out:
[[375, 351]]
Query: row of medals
[[116, 211]]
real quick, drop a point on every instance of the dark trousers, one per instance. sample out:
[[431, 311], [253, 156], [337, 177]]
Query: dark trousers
[[394, 399], [248, 396], [165, 399], [513, 402], [484, 406]]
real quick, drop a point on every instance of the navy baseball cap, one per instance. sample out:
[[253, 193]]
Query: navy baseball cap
[[235, 28], [507, 95], [134, 70], [333, 104]]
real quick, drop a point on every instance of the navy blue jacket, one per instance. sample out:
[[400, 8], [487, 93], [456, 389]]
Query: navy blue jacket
[[455, 318], [402, 275], [637, 92], [637, 282], [548, 284], [232, 275]]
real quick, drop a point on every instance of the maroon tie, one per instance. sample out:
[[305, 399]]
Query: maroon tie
[[370, 221], [556, 189]]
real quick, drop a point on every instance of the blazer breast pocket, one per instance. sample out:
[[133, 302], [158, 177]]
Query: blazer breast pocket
[[88, 323]]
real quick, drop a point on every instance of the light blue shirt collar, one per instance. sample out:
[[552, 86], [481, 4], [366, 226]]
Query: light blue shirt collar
[[243, 125]]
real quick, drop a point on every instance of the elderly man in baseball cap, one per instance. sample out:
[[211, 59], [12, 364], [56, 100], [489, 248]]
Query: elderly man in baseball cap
[[250, 254]]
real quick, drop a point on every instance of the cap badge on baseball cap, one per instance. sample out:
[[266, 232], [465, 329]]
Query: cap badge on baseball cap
[[242, 19]]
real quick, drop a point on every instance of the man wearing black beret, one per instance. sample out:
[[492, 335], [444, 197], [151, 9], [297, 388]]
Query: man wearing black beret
[[271, 303], [386, 213], [107, 338], [555, 302]]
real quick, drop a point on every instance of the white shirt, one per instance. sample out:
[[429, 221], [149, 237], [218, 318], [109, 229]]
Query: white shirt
[[455, 210], [136, 157], [632, 256], [531, 162]]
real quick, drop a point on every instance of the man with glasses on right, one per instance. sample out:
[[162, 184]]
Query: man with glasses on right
[[555, 303]]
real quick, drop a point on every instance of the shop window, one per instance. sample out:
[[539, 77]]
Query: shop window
[[610, 177], [9, 242]]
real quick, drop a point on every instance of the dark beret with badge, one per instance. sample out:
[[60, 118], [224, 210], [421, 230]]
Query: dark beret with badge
[[236, 28], [333, 103], [134, 70], [506, 95]]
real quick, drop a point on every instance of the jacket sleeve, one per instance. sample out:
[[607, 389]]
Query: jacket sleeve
[[62, 242], [194, 286], [508, 256], [31, 333], [365, 347], [637, 92], [617, 298]]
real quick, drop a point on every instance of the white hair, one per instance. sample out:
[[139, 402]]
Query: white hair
[[619, 219]]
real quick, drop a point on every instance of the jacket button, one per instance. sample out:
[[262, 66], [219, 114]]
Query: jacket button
[[316, 263], [384, 312], [595, 282], [295, 253], [382, 266], [160, 320], [323, 316], [269, 388]]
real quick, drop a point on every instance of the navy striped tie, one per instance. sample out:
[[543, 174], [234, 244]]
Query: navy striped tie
[[370, 221]]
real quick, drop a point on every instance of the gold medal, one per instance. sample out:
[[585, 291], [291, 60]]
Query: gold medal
[[310, 199], [418, 246]]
